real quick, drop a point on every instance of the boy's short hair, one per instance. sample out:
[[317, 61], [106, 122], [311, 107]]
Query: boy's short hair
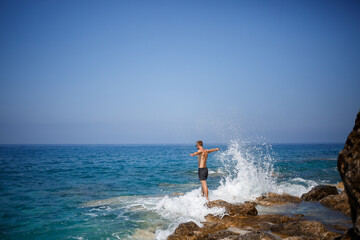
[[199, 142]]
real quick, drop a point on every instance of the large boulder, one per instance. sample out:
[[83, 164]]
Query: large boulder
[[319, 192], [349, 169], [184, 231]]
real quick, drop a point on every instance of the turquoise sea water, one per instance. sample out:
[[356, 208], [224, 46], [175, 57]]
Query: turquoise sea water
[[127, 191]]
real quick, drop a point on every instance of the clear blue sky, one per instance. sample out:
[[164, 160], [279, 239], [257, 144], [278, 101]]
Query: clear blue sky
[[178, 71]]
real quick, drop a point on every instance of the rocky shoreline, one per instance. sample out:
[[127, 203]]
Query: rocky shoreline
[[242, 221]]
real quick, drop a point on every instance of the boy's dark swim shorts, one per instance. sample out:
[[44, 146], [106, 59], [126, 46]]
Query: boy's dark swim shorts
[[203, 173]]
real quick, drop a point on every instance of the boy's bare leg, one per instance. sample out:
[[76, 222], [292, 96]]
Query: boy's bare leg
[[205, 189], [202, 191]]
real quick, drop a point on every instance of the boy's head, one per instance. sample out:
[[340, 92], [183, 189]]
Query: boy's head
[[199, 144]]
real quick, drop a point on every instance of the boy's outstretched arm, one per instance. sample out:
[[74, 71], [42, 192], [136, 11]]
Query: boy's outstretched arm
[[194, 154], [213, 150]]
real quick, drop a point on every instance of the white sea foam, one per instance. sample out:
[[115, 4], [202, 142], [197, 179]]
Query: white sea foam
[[91, 214], [105, 202], [189, 207], [294, 188], [143, 234]]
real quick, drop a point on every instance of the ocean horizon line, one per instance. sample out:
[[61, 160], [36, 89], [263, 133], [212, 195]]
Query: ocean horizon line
[[162, 144]]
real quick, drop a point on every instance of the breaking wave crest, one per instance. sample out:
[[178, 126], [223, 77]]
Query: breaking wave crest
[[249, 172]]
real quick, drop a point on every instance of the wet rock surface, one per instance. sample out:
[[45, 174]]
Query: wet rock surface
[[319, 192], [304, 228], [247, 208], [349, 169], [337, 202], [274, 198]]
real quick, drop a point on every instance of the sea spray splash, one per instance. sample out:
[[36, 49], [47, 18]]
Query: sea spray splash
[[189, 207], [249, 172]]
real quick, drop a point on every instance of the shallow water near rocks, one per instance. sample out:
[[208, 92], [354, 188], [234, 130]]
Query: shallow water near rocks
[[313, 211]]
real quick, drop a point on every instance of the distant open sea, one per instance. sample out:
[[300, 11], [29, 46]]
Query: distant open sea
[[127, 191]]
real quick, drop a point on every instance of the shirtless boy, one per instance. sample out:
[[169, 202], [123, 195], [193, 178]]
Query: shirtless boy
[[203, 171]]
